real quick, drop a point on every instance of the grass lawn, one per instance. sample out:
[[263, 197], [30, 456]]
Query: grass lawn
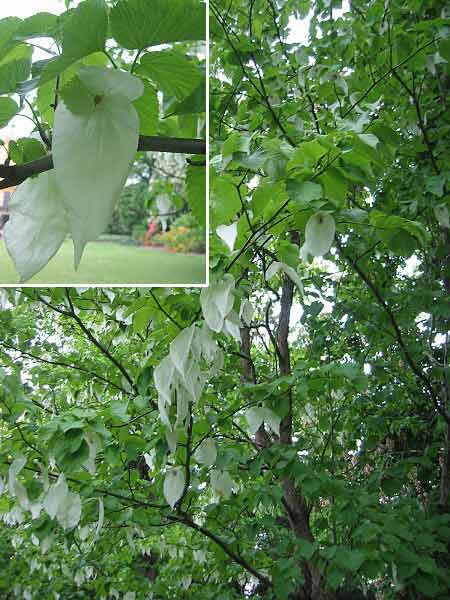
[[109, 262]]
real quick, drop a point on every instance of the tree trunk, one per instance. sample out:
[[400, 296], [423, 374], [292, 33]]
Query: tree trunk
[[293, 501]]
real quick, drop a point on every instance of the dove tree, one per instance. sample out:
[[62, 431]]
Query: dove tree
[[106, 90], [284, 433]]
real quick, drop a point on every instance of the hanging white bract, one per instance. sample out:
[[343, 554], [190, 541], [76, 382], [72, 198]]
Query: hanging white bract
[[206, 453], [164, 206], [63, 504], [319, 235], [289, 271], [93, 150], [37, 226], [217, 305], [181, 375], [228, 234], [173, 485]]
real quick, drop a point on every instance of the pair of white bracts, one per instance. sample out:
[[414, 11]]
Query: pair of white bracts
[[92, 154]]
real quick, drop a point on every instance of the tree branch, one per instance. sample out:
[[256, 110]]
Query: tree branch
[[186, 519], [63, 364], [14, 174], [420, 375]]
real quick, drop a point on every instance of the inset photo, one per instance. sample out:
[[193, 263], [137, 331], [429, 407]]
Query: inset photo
[[103, 143]]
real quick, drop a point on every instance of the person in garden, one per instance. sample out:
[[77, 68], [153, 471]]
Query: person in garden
[[152, 228]]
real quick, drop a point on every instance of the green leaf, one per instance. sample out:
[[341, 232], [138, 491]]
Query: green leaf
[[334, 185], [42, 24], [349, 560], [224, 201], [268, 195], [195, 103], [277, 154], [8, 28], [306, 549], [172, 72], [138, 24], [304, 191], [45, 100], [25, 150], [15, 67], [288, 253], [147, 107], [435, 185], [196, 192], [8, 108], [236, 142], [84, 33], [119, 409], [77, 97], [141, 318], [306, 155], [401, 235]]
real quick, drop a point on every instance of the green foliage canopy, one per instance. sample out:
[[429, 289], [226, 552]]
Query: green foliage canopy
[[285, 432]]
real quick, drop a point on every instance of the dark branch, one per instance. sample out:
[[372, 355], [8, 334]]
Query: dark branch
[[14, 174]]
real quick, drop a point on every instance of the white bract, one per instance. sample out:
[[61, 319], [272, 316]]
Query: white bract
[[442, 216], [319, 234], [55, 496], [272, 420], [182, 375], [101, 517], [289, 271], [232, 326], [92, 151], [15, 487], [63, 504], [199, 556], [206, 453], [217, 302], [228, 234], [246, 312], [164, 206], [258, 415], [92, 441], [69, 512], [255, 419], [180, 349], [150, 459], [174, 485], [222, 483], [37, 226]]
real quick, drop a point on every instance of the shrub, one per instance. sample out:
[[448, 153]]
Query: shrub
[[185, 235], [130, 210], [138, 233]]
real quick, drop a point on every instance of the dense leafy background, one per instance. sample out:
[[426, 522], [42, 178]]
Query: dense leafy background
[[351, 500]]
